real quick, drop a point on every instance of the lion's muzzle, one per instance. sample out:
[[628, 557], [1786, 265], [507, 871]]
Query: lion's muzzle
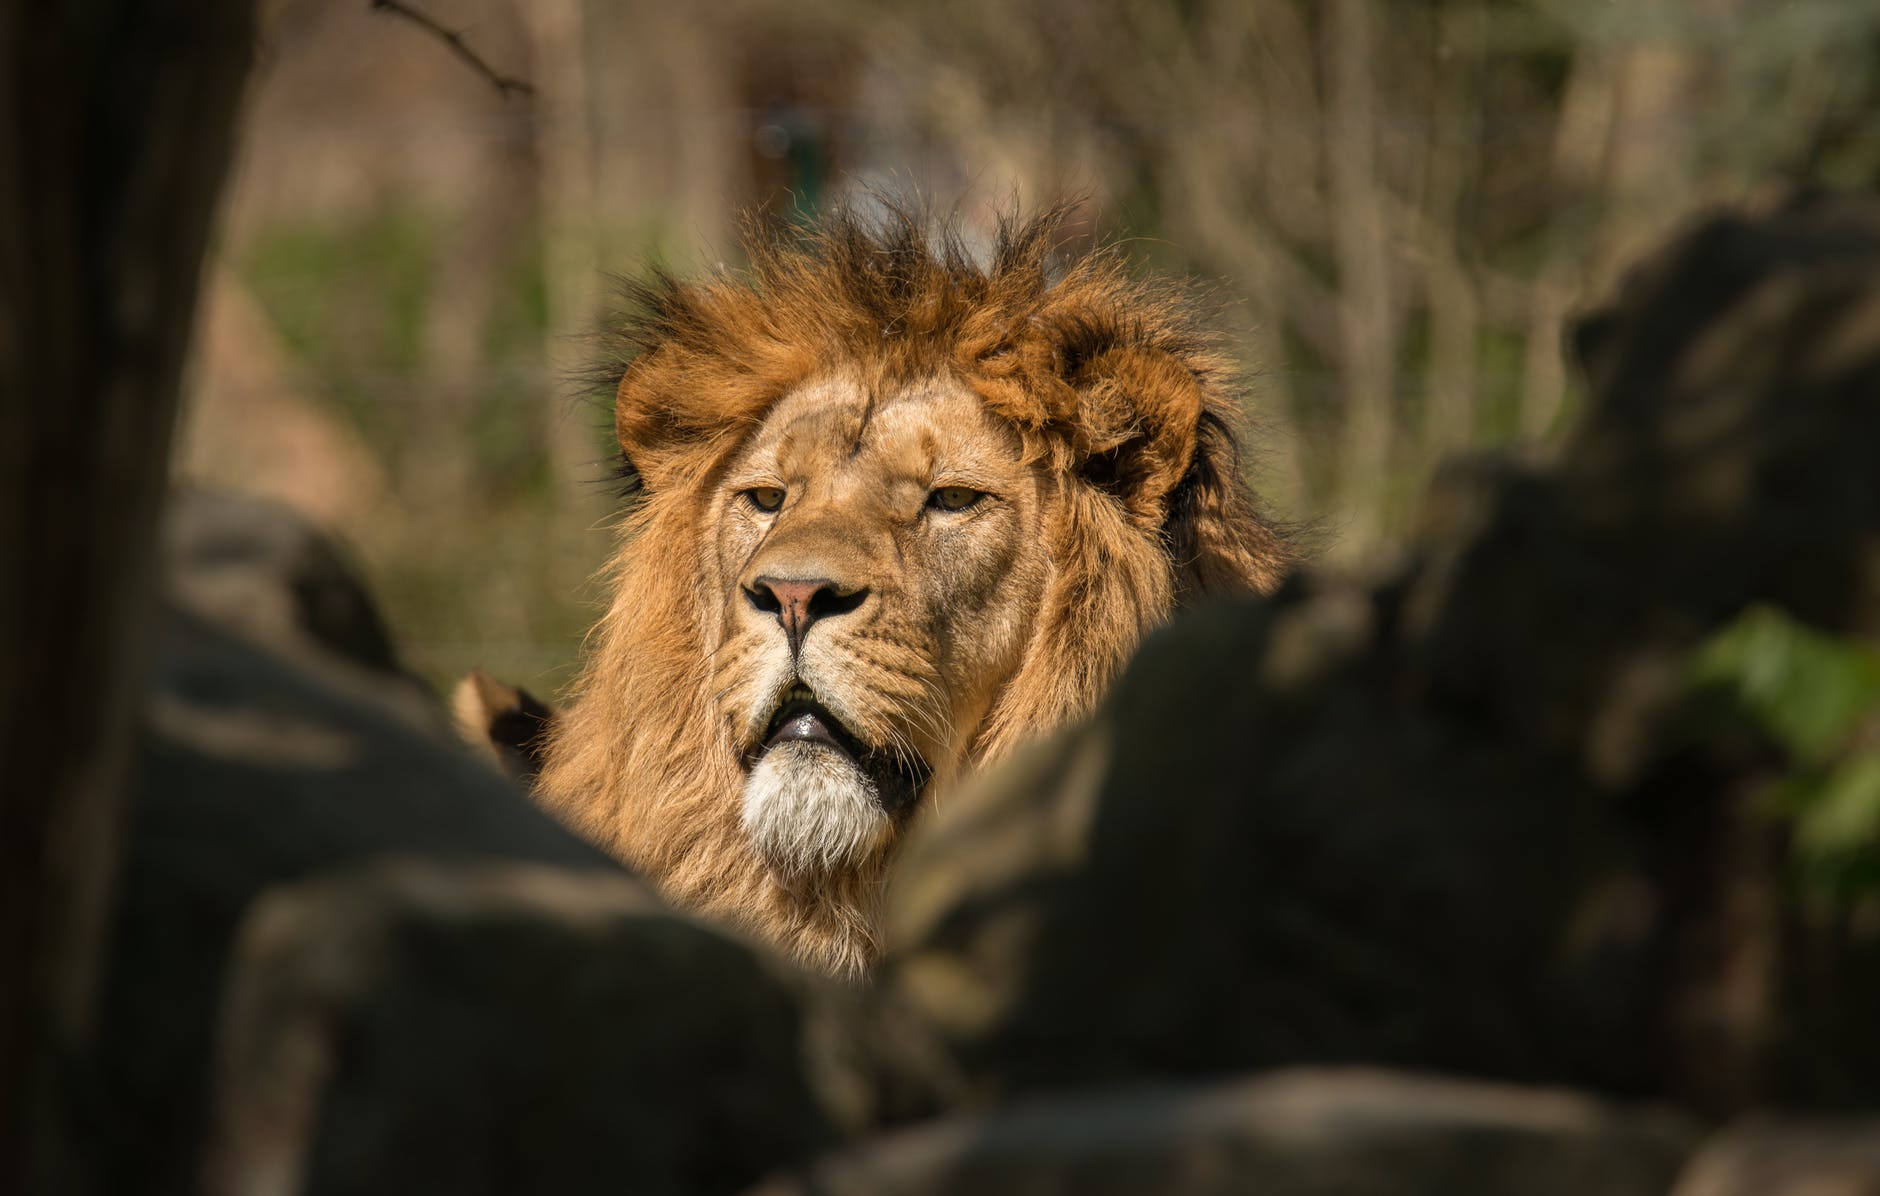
[[895, 777]]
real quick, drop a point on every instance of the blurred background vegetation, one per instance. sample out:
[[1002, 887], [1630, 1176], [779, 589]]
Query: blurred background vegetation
[[1396, 202], [1813, 699]]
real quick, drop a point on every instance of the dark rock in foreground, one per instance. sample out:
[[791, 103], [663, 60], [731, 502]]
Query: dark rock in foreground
[[1457, 819], [1453, 819], [1834, 1156], [501, 1028], [428, 959], [1303, 1133]]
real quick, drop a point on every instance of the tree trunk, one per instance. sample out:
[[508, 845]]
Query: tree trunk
[[115, 130], [1361, 243]]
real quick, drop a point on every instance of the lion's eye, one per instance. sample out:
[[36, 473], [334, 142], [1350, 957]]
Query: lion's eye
[[953, 498], [765, 498]]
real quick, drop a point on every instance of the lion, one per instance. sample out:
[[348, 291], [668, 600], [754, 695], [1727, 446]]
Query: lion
[[893, 512]]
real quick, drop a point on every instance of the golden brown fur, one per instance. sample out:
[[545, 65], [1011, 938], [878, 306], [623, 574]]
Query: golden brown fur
[[1105, 403]]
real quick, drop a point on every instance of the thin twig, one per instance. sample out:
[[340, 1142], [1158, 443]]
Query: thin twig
[[504, 84]]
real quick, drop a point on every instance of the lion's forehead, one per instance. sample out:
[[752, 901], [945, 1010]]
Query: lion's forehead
[[913, 431]]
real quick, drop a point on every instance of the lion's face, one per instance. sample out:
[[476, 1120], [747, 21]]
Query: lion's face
[[893, 514], [877, 564]]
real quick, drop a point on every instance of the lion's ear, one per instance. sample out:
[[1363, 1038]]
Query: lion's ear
[[664, 440], [645, 424], [1216, 536], [1138, 412], [677, 409], [1154, 434]]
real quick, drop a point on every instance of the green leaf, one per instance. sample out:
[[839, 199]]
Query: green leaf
[[1843, 812], [1805, 689]]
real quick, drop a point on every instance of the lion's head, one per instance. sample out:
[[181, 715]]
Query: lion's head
[[896, 513]]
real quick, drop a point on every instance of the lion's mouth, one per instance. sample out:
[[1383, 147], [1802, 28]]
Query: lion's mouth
[[800, 719]]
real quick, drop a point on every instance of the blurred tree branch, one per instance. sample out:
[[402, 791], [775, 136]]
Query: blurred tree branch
[[1409, 199], [504, 84]]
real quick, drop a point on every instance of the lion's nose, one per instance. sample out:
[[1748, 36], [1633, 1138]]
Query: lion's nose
[[798, 602]]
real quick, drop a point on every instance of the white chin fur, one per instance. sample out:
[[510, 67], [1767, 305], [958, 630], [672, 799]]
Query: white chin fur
[[808, 810]]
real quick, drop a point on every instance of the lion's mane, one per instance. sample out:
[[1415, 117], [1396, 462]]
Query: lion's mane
[[1110, 383]]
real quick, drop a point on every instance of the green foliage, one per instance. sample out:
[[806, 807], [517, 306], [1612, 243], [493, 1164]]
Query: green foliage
[[349, 301], [1806, 689], [480, 549], [1817, 697]]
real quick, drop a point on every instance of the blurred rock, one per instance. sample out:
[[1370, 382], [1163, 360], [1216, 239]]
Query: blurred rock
[[1296, 1133], [493, 991], [493, 1029], [1307, 870], [1450, 819], [256, 771], [1764, 1157], [264, 571]]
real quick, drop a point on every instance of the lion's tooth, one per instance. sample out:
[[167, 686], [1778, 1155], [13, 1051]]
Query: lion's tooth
[[794, 693]]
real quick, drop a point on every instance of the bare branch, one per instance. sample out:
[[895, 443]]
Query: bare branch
[[504, 84]]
